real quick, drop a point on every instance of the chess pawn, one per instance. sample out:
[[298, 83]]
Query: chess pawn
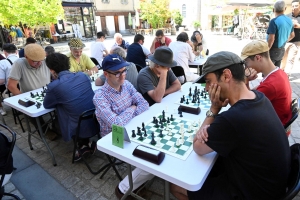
[[177, 142], [169, 132], [173, 149]]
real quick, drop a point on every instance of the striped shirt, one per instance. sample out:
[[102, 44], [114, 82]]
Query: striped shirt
[[114, 107]]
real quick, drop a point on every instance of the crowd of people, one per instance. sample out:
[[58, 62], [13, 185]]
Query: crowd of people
[[254, 159]]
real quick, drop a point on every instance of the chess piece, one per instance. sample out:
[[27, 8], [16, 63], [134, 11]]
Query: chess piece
[[161, 125], [160, 134], [190, 94], [156, 124], [189, 128], [37, 94], [163, 116], [145, 134], [169, 132], [177, 142], [141, 138], [180, 114], [139, 131], [32, 95], [187, 101], [205, 96], [143, 126], [153, 142], [172, 119], [154, 120], [38, 104], [168, 120], [183, 98], [133, 134]]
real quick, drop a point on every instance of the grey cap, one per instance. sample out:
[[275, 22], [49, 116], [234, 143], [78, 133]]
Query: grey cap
[[218, 61]]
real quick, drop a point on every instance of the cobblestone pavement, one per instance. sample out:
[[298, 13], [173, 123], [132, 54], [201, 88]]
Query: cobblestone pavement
[[76, 178]]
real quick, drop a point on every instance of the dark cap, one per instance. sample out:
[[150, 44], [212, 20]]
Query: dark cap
[[9, 47], [163, 56], [113, 62], [218, 61]]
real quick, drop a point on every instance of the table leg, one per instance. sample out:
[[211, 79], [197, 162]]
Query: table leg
[[29, 131], [167, 190], [44, 140], [198, 70], [130, 182]]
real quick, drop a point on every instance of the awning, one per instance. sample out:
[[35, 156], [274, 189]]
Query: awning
[[76, 4]]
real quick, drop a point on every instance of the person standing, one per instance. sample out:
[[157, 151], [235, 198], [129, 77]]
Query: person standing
[[292, 47], [97, 48], [76, 29], [159, 41], [280, 31]]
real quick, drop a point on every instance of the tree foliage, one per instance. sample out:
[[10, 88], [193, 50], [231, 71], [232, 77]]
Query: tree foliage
[[156, 12], [33, 13], [177, 17]]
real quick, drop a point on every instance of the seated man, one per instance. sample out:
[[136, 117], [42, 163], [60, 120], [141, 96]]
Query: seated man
[[80, 62], [254, 155], [136, 52], [157, 80], [131, 74], [71, 94], [120, 42], [117, 102], [275, 85], [49, 50], [159, 40]]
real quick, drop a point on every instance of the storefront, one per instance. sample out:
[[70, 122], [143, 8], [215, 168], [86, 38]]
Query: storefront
[[80, 13]]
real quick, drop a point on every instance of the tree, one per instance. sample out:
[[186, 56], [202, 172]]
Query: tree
[[156, 12], [177, 17], [33, 13]]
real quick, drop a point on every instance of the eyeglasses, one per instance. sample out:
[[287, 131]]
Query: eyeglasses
[[118, 74]]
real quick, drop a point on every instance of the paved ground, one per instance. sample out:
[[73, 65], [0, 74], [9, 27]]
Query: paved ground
[[37, 178]]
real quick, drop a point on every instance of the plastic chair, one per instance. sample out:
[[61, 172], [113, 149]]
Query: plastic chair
[[138, 67], [293, 184], [295, 106], [90, 115], [95, 62], [179, 71], [8, 164]]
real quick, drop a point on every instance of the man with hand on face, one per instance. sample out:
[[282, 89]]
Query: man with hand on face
[[79, 62], [254, 155], [158, 80], [159, 40]]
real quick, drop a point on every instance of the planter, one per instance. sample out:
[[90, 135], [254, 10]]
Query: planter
[[173, 30]]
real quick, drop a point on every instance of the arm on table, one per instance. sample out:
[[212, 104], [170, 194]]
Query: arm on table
[[159, 92], [12, 85], [173, 88], [138, 100]]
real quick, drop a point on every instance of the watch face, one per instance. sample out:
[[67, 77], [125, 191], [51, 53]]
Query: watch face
[[209, 114]]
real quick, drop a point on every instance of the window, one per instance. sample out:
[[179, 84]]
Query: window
[[124, 2], [183, 10], [105, 1]]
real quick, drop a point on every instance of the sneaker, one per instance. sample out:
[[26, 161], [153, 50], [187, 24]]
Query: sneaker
[[77, 156], [93, 146], [84, 149], [2, 111]]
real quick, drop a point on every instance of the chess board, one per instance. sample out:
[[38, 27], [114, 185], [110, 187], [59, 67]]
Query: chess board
[[94, 76], [37, 96], [167, 143], [205, 103]]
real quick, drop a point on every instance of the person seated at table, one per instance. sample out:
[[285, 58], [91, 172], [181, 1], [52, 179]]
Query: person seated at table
[[199, 44], [29, 40], [183, 53], [117, 102], [120, 42], [11, 53], [49, 50], [98, 48], [158, 80], [70, 94], [79, 61], [136, 52], [254, 155], [159, 40], [131, 74], [275, 84]]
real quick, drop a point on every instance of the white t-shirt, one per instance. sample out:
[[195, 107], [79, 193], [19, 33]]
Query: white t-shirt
[[97, 49], [5, 66]]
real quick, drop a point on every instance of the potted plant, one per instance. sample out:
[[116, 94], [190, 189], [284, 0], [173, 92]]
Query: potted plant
[[196, 25], [177, 19]]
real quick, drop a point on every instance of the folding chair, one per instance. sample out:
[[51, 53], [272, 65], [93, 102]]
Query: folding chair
[[6, 161], [84, 117], [179, 71], [295, 106], [293, 184], [138, 67], [95, 62]]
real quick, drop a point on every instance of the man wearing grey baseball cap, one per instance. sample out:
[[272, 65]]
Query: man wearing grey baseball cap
[[254, 158], [157, 80]]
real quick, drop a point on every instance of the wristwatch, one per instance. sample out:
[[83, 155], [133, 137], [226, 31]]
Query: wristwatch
[[209, 113]]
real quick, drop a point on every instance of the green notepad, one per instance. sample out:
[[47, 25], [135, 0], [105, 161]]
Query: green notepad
[[118, 136]]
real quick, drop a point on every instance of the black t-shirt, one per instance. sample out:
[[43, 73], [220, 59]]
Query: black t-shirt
[[296, 30], [253, 144]]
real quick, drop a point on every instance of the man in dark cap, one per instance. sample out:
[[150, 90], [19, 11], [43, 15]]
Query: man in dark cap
[[254, 155], [157, 80]]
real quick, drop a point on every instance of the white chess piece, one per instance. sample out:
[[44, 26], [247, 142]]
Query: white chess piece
[[169, 132], [173, 149], [158, 143], [177, 142], [190, 128]]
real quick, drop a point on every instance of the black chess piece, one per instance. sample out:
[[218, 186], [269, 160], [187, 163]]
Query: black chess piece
[[93, 79], [153, 142], [205, 96], [187, 101], [183, 98], [172, 119], [180, 114], [163, 116], [201, 94], [190, 94], [139, 131], [143, 127], [156, 124], [193, 101], [168, 120], [160, 134], [161, 125], [43, 95], [198, 100], [133, 134], [154, 119], [141, 137], [32, 95], [38, 104], [145, 134], [37, 94]]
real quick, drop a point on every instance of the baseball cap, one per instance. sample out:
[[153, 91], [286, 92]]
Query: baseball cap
[[253, 48], [113, 62], [218, 61], [34, 52], [76, 43], [9, 47]]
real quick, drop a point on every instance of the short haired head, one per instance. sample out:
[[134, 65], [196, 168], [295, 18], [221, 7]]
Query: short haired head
[[113, 62], [34, 52], [217, 62], [253, 48], [119, 51], [30, 40], [279, 6], [183, 37], [76, 43], [58, 62], [138, 37], [117, 35], [163, 56], [49, 50], [159, 33], [100, 34], [9, 48]]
